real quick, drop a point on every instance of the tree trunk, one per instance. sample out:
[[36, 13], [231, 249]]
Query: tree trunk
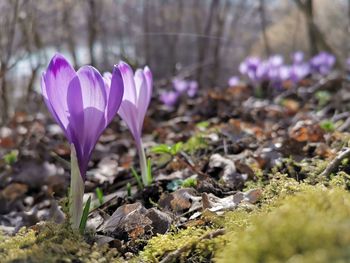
[[92, 30], [263, 27], [317, 40], [220, 26], [146, 45], [4, 98], [203, 43], [69, 36]]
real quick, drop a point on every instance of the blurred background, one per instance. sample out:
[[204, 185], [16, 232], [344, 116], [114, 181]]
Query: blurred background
[[204, 40]]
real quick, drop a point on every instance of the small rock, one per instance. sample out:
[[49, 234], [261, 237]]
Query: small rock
[[128, 222], [161, 221]]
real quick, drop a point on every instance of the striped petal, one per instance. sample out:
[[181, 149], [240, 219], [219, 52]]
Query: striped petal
[[56, 79]]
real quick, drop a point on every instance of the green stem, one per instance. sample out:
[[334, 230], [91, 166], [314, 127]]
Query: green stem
[[76, 191], [143, 163]]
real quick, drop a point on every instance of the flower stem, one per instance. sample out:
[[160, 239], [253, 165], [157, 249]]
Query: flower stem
[[76, 191], [143, 164]]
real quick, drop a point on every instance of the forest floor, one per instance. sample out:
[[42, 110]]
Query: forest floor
[[235, 179]]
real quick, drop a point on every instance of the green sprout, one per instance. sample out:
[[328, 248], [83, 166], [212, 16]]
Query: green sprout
[[327, 126], [99, 195], [11, 157], [323, 97], [137, 178], [84, 217], [167, 149], [189, 182], [128, 189]]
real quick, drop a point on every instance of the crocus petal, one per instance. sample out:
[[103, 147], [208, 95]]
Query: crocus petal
[[115, 94], [93, 88], [107, 77], [128, 112], [76, 120], [142, 100], [57, 79], [86, 103], [94, 99], [149, 80], [76, 109], [129, 84], [48, 104]]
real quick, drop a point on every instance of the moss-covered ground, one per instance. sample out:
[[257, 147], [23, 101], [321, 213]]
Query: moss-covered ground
[[293, 222]]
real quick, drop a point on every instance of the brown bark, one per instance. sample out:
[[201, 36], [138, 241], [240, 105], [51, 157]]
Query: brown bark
[[146, 44], [92, 29], [203, 44], [263, 27], [317, 40], [4, 92], [220, 26], [12, 25], [69, 32]]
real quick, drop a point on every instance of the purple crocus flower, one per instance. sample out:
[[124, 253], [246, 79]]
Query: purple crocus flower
[[284, 72], [81, 103], [298, 57], [192, 88], [322, 63], [180, 85], [275, 61], [169, 98], [262, 72], [249, 67], [233, 81], [137, 96], [299, 71]]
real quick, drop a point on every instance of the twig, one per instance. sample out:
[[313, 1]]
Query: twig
[[175, 254], [345, 125], [332, 166], [185, 159]]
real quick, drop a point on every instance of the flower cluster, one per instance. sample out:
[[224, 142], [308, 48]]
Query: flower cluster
[[274, 71], [322, 63], [180, 87]]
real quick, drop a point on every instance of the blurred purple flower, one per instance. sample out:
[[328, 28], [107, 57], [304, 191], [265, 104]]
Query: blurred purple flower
[[192, 88], [180, 85], [322, 63], [284, 73], [275, 61], [136, 99], [249, 67], [169, 98], [81, 103], [233, 81], [299, 72], [298, 57], [262, 72]]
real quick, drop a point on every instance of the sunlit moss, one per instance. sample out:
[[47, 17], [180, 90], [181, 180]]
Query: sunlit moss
[[161, 245], [52, 243], [310, 226]]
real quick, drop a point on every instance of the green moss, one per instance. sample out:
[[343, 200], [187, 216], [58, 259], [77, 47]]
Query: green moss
[[312, 168], [161, 245], [52, 243], [195, 143], [310, 226]]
